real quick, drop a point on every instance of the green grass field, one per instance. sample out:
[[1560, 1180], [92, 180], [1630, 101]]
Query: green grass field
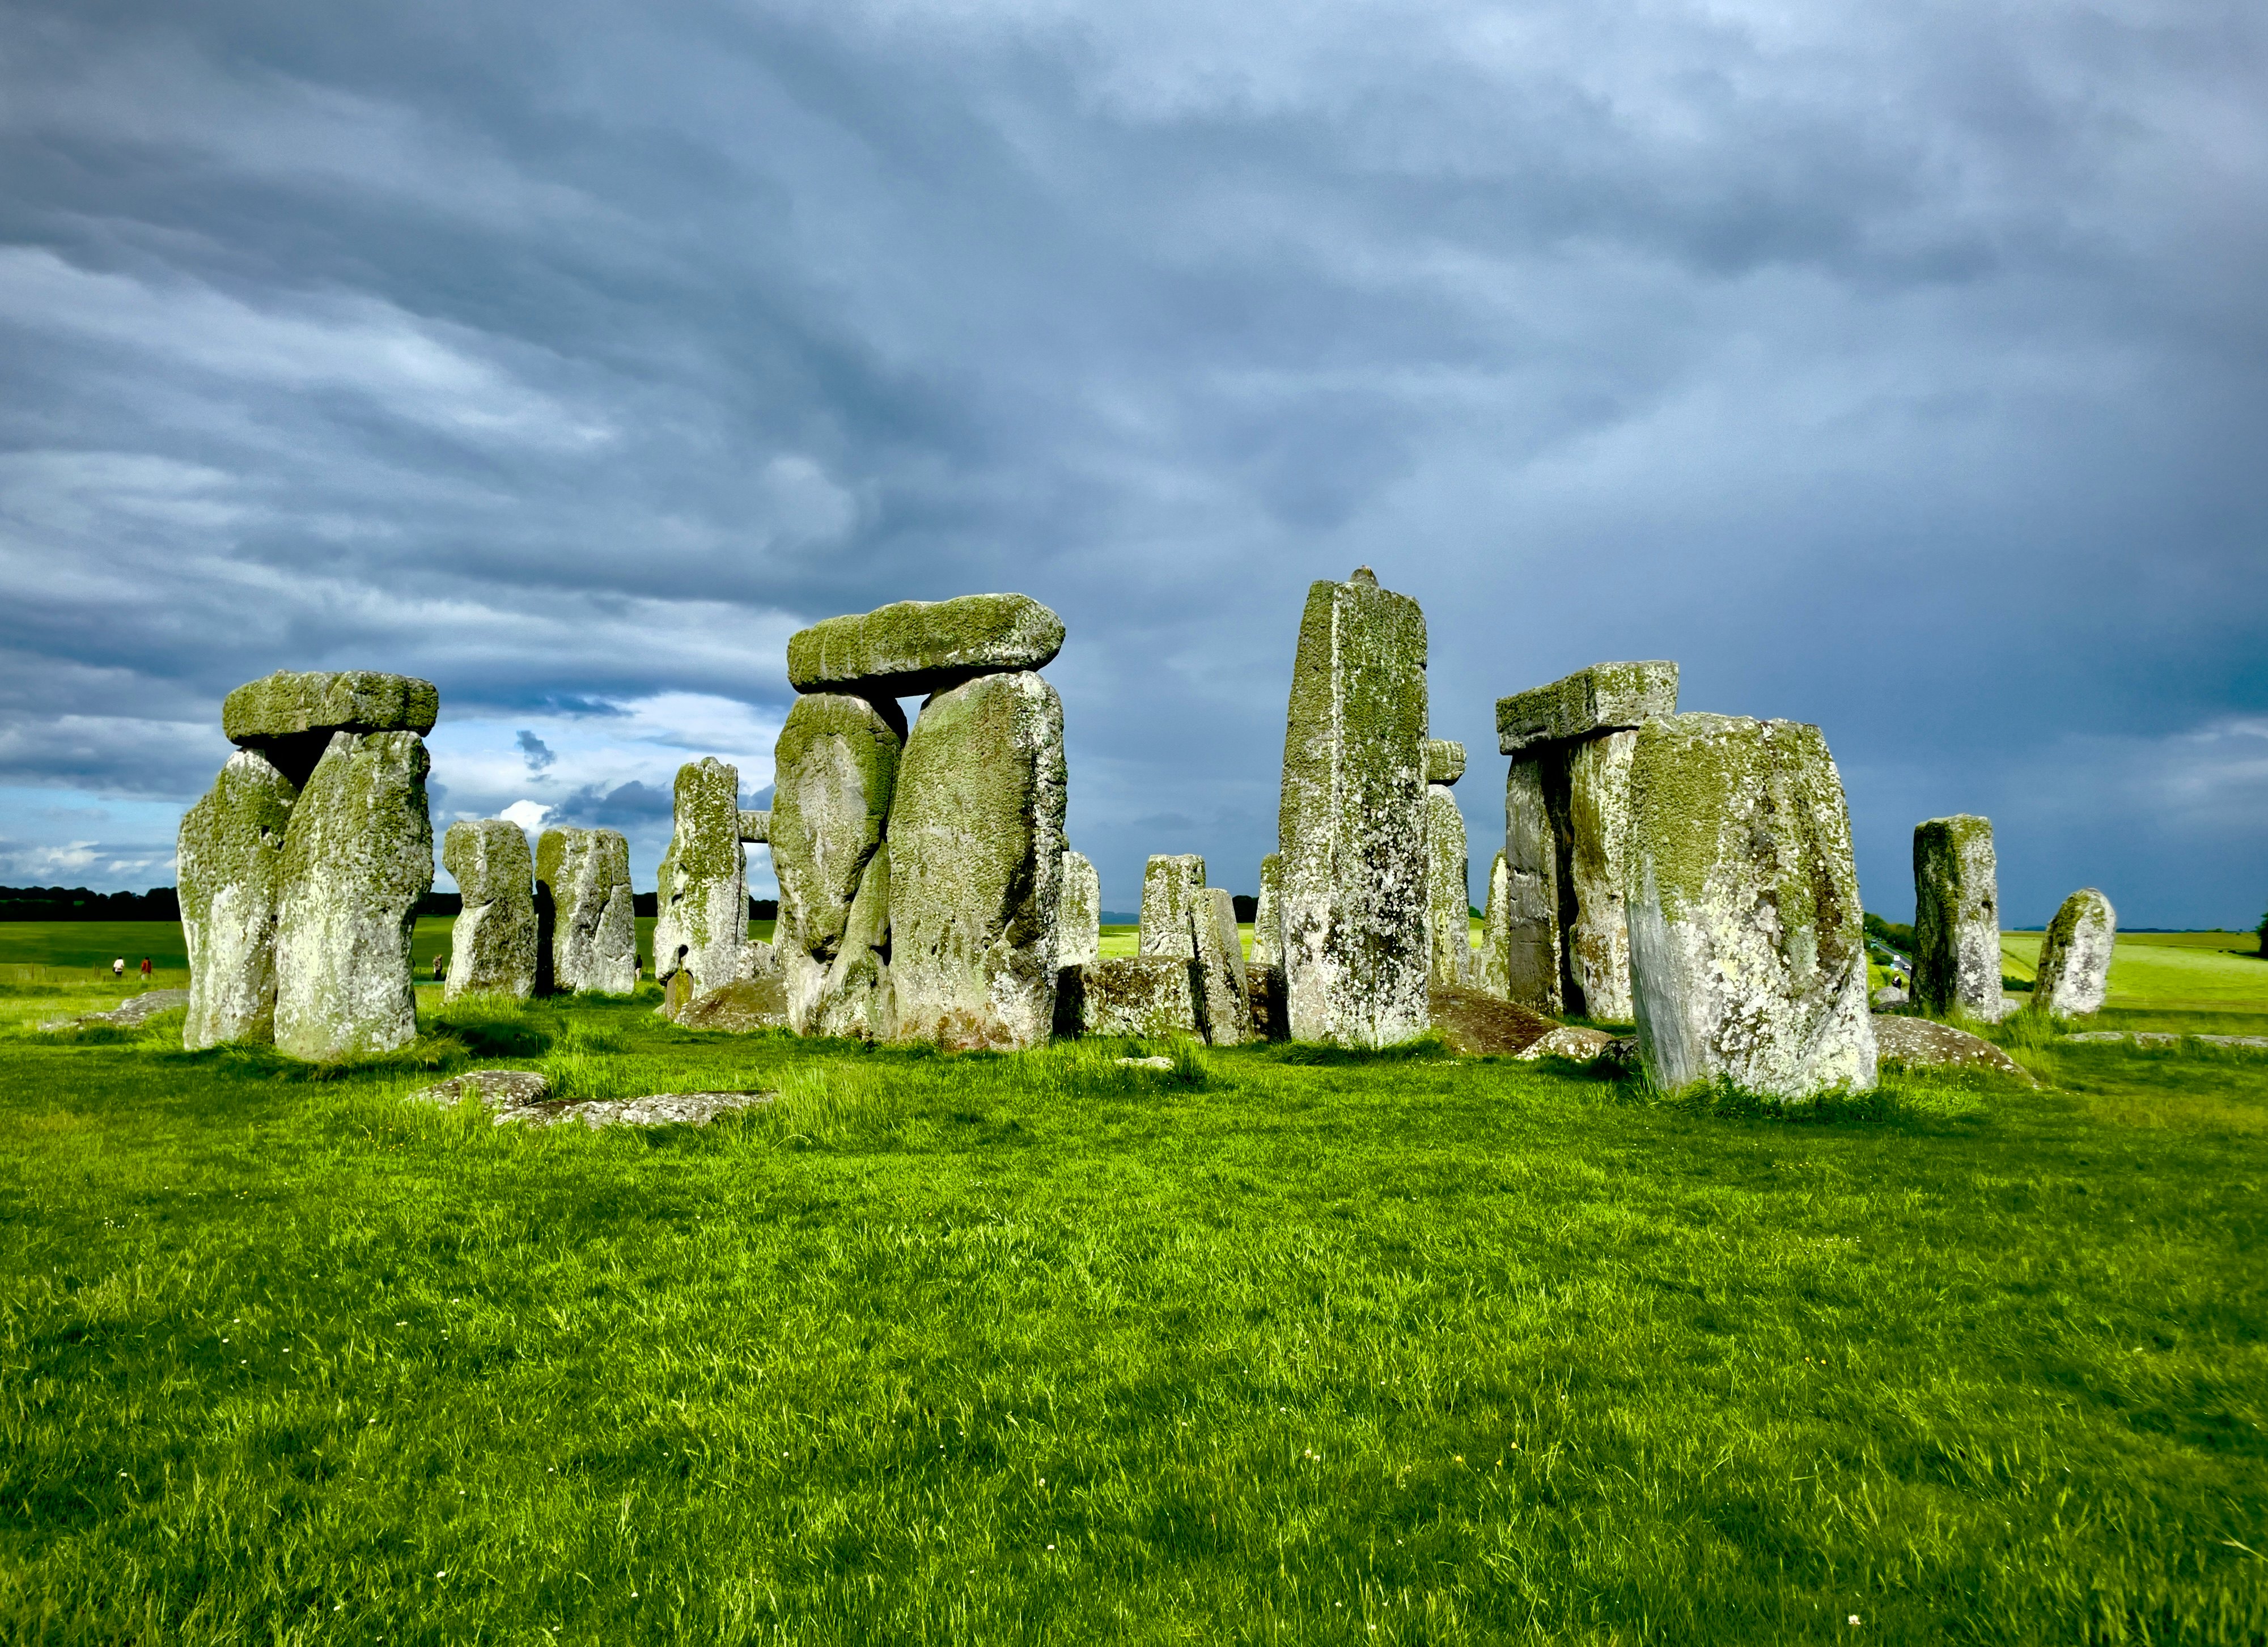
[[1279, 1346]]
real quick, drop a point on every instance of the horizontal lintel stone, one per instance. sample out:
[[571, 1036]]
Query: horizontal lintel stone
[[1604, 698], [912, 648]]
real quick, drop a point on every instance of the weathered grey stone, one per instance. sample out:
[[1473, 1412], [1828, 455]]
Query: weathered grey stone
[[1475, 1025], [1445, 760], [1535, 960], [656, 1109], [290, 716], [357, 859], [231, 880], [1746, 956], [1890, 995], [915, 647], [1268, 914], [1224, 988], [584, 878], [701, 901], [1957, 961], [834, 770], [1449, 900], [976, 865], [857, 998], [1571, 1041], [1078, 913], [1150, 998], [1173, 884], [1605, 697], [1351, 827], [1491, 961], [128, 1014], [1919, 1044], [742, 1007], [493, 1088], [492, 944], [1597, 938], [755, 827], [2074, 970]]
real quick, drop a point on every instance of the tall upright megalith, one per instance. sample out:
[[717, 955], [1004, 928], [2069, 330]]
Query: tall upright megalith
[[2074, 970], [1078, 913], [834, 770], [1597, 936], [1352, 825], [1448, 899], [1492, 960], [1533, 959], [232, 877], [492, 944], [357, 857], [1747, 959], [584, 878], [701, 904], [1957, 961], [1224, 988], [1172, 885], [1264, 973]]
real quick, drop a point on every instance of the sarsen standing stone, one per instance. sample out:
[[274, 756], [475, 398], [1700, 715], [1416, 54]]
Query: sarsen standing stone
[[492, 944], [701, 901], [231, 879], [2074, 970], [586, 878], [1957, 961]]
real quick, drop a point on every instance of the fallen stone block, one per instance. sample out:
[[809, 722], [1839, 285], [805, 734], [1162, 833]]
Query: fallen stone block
[[913, 647], [128, 1015], [1605, 697], [2074, 969], [657, 1109], [1145, 997], [742, 1007], [1956, 960], [1571, 1041], [230, 875], [492, 943], [493, 1089], [1476, 1025], [1918, 1043]]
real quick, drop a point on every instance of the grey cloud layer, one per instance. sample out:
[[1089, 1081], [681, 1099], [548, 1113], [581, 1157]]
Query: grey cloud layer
[[1901, 370]]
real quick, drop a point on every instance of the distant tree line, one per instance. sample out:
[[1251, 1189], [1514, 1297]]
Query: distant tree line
[[1897, 934], [77, 903]]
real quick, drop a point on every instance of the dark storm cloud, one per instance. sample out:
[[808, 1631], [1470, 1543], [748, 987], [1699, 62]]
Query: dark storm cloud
[[1901, 370]]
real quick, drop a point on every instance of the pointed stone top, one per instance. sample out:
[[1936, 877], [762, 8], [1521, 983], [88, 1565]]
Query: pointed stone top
[[1364, 575], [1445, 760], [1604, 698]]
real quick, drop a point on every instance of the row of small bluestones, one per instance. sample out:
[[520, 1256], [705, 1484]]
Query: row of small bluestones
[[1690, 871]]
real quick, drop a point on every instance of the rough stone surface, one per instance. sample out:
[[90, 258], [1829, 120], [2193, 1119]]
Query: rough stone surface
[[702, 891], [493, 1089], [1746, 956], [1268, 914], [1492, 969], [915, 647], [1956, 960], [1890, 994], [357, 859], [231, 881], [1223, 988], [1605, 697], [130, 1014], [1449, 900], [755, 827], [1476, 1025], [1150, 998], [1918, 1043], [1078, 913], [585, 880], [1535, 961], [291, 715], [1173, 884], [834, 770], [977, 847], [1271, 1018], [1597, 936], [739, 1008], [2157, 1040], [1571, 1041], [1445, 760], [1351, 827], [2074, 972], [657, 1109], [492, 943], [859, 999]]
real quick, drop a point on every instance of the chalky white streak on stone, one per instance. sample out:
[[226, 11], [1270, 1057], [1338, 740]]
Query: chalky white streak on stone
[[1078, 913]]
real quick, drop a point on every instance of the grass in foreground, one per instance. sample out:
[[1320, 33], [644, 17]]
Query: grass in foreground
[[1286, 1346]]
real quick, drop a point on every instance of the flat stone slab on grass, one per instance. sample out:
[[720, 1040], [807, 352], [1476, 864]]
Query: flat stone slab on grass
[[496, 1089], [1921, 1043], [1571, 1041], [1477, 1026], [739, 1008], [1605, 697], [131, 1015], [656, 1109], [913, 647], [2158, 1038]]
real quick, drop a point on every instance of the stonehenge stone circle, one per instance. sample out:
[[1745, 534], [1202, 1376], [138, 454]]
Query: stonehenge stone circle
[[702, 895], [1078, 913], [357, 855], [1449, 900], [1224, 988], [1747, 955], [914, 648], [755, 827], [1351, 826], [492, 944], [1534, 958], [1490, 972], [834, 770], [2074, 970], [289, 716], [584, 879], [230, 880], [976, 842], [1173, 884], [1956, 961]]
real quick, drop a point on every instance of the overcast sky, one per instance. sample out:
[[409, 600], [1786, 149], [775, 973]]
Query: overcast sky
[[1901, 368]]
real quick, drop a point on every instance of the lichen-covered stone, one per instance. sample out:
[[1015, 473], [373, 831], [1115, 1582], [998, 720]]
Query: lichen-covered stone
[[1173, 884], [1605, 697], [1491, 974], [1449, 900], [755, 827], [1268, 914], [1445, 760], [1476, 1025], [1535, 963], [2074, 970], [701, 892], [1918, 1044], [1078, 913], [290, 716], [1224, 990], [492, 943], [976, 848], [1956, 961], [1148, 997], [231, 879], [1747, 961], [1351, 827], [357, 859], [855, 997], [1597, 937], [914, 647], [834, 770], [744, 1007], [584, 879]]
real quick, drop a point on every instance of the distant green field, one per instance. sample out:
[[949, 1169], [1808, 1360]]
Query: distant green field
[[2168, 972]]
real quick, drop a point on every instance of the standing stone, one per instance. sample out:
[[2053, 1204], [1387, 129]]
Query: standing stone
[[1264, 975], [913, 647], [976, 842], [492, 944], [1534, 960], [1956, 961], [1449, 899], [290, 716], [1598, 817], [859, 999], [701, 901], [1224, 988], [232, 877], [834, 770], [1491, 971], [584, 881], [1746, 955], [2074, 970], [1147, 998], [1351, 828], [1173, 884], [1078, 913], [358, 857]]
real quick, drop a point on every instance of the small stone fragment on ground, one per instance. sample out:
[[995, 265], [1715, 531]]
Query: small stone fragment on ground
[[1921, 1043], [1890, 995], [656, 1109], [1571, 1041], [494, 1089], [130, 1015], [1155, 1063]]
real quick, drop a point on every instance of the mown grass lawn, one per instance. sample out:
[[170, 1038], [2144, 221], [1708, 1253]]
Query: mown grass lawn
[[1277, 1346]]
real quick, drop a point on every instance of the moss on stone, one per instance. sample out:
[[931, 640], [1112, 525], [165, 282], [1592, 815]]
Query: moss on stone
[[353, 699], [231, 873], [914, 647], [702, 898], [1605, 697], [1956, 961], [835, 771], [1445, 760]]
